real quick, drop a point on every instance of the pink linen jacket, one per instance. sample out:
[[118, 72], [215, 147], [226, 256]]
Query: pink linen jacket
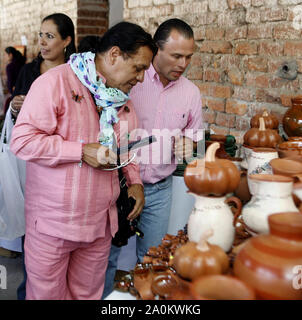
[[65, 200]]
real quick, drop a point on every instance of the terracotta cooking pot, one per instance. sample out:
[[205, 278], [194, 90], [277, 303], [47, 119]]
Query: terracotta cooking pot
[[268, 262], [142, 281], [220, 287], [163, 284], [286, 167], [289, 149]]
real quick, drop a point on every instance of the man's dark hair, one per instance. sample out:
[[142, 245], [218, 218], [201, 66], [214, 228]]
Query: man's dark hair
[[164, 30], [89, 43], [65, 28], [129, 37]]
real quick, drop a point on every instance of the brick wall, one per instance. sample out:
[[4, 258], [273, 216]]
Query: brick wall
[[23, 17], [92, 17], [240, 44]]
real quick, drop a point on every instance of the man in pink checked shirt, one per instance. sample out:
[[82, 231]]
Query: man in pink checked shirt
[[167, 104]]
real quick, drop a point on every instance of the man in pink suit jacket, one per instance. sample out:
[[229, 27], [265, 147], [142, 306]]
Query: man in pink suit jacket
[[70, 206]]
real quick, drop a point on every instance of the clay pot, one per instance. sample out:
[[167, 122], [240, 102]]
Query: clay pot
[[286, 167], [262, 137], [182, 292], [289, 149], [259, 160], [220, 287], [292, 119], [220, 153], [214, 213], [247, 150], [270, 194], [163, 284], [211, 176], [267, 262], [193, 260], [243, 192], [218, 137], [142, 280], [270, 120]]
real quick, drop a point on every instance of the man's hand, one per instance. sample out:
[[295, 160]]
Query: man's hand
[[98, 156], [183, 148], [16, 104], [136, 191]]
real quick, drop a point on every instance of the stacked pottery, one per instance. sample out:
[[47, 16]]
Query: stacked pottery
[[272, 263], [261, 137], [210, 180], [290, 167], [291, 148], [286, 167], [270, 120], [270, 194]]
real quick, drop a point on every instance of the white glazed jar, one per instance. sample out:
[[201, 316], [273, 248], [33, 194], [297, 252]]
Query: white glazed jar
[[213, 213], [259, 162], [246, 152], [270, 194]]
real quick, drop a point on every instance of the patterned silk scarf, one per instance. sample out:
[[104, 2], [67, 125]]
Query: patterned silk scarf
[[107, 99]]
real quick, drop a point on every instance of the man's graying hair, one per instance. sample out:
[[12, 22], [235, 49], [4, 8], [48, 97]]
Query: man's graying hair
[[163, 31]]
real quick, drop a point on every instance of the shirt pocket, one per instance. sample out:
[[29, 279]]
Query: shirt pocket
[[177, 120]]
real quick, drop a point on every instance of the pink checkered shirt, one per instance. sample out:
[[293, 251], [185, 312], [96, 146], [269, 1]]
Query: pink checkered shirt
[[176, 106]]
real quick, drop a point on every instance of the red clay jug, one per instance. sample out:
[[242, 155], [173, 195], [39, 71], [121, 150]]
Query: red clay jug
[[292, 119], [272, 263]]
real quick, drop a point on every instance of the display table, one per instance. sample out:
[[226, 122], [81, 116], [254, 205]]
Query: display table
[[118, 295], [182, 205]]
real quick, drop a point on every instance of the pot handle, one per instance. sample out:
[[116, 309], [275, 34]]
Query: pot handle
[[297, 178], [237, 209], [240, 230]]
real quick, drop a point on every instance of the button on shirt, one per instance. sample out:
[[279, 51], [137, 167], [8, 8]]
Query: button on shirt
[[164, 112]]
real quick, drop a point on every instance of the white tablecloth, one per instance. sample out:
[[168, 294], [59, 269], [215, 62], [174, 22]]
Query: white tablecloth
[[182, 205], [117, 295]]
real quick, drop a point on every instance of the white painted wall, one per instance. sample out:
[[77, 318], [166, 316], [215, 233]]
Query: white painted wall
[[116, 8]]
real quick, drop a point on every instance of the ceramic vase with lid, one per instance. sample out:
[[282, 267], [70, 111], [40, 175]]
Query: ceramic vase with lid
[[272, 263], [210, 180], [270, 194]]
